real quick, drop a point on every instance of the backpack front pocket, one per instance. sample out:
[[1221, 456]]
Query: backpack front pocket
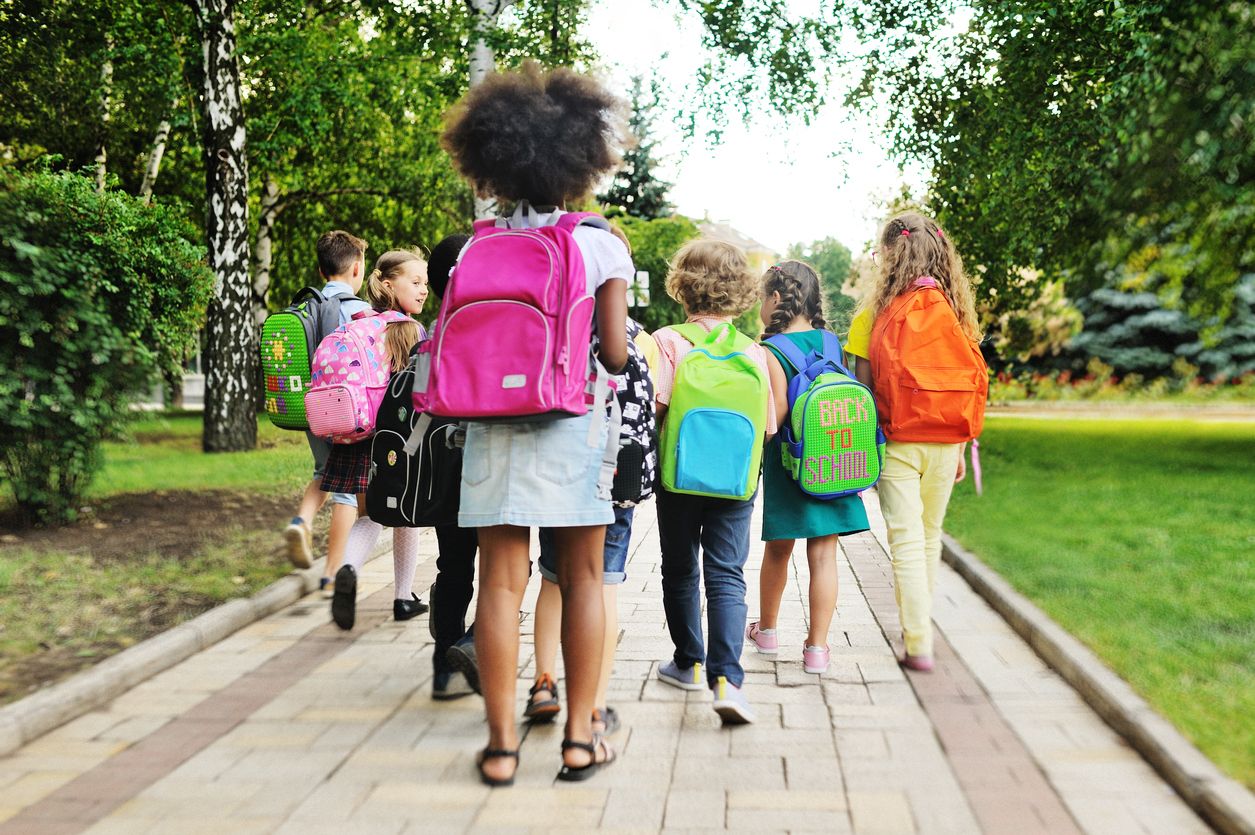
[[714, 449]]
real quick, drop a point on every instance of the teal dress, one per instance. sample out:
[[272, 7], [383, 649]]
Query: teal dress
[[788, 513]]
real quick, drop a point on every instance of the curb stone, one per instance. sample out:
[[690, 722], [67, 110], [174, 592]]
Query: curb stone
[[35, 715], [1223, 802]]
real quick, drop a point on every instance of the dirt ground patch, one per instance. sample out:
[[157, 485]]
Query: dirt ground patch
[[134, 565]]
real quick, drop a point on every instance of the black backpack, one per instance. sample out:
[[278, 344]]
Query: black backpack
[[415, 490], [637, 470]]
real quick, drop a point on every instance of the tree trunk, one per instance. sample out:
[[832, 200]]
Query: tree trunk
[[263, 250], [154, 157], [483, 61], [230, 333], [106, 95]]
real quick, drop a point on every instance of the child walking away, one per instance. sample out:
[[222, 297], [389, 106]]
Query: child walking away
[[915, 341], [714, 405], [288, 341], [542, 278], [634, 482], [792, 311], [351, 372]]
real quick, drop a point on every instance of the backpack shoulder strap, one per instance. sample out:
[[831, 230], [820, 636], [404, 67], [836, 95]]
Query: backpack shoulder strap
[[692, 332], [789, 351], [569, 220]]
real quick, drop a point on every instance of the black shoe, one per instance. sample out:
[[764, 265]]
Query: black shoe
[[406, 609], [461, 657], [446, 687], [344, 598]]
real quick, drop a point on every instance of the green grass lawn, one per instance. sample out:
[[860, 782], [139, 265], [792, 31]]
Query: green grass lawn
[[163, 453], [1138, 536], [169, 532]]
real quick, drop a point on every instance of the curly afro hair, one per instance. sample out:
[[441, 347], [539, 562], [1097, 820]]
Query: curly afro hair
[[545, 137]]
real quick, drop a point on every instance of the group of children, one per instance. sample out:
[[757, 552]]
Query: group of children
[[540, 140]]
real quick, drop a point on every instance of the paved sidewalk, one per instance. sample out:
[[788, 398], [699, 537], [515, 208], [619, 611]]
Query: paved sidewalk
[[292, 726]]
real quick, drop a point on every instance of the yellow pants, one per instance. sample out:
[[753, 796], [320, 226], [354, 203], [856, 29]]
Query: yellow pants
[[915, 488]]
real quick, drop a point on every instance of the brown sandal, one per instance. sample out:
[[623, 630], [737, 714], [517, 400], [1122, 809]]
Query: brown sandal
[[542, 710]]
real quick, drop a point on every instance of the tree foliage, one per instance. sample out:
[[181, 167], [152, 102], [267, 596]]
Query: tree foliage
[[636, 188], [1065, 136], [833, 261], [98, 292]]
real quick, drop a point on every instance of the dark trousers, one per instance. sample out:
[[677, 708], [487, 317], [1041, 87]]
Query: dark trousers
[[720, 528], [455, 585]]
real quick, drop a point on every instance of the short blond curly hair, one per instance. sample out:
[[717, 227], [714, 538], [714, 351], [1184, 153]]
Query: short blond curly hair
[[712, 278]]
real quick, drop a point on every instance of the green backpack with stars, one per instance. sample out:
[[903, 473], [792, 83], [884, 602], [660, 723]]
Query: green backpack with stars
[[288, 341]]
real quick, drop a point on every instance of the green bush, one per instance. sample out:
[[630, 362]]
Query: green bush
[[98, 293]]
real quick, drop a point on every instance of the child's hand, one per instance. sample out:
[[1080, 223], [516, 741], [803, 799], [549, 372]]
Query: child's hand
[[961, 472]]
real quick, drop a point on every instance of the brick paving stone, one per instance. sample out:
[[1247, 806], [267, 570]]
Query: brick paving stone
[[292, 726]]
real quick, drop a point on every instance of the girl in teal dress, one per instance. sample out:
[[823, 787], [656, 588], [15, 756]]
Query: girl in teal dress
[[793, 306]]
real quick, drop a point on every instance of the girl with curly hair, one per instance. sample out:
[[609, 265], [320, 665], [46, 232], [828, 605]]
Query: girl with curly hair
[[918, 477], [714, 283], [793, 309], [542, 139]]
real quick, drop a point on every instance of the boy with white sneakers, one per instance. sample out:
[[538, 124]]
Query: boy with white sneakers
[[342, 264]]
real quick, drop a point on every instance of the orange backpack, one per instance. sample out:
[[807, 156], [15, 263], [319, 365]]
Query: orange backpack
[[930, 379]]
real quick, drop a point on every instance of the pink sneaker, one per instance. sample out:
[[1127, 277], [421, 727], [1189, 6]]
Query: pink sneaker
[[815, 659], [918, 663], [764, 639]]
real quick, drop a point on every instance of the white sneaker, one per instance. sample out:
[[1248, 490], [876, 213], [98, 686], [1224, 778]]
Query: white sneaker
[[730, 703], [297, 536]]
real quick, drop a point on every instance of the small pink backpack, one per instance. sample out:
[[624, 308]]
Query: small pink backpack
[[515, 327], [349, 374]]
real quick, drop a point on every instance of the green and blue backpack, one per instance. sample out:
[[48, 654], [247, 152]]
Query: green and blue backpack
[[288, 341], [712, 439], [831, 443]]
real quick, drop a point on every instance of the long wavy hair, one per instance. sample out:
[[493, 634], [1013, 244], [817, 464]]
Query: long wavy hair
[[912, 246], [399, 337], [800, 294]]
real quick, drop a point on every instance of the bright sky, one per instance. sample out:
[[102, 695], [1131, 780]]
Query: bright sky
[[776, 180]]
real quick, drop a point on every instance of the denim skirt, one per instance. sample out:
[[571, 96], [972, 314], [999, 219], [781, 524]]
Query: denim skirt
[[534, 474]]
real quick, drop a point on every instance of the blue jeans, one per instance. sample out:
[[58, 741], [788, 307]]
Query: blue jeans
[[614, 557], [721, 528]]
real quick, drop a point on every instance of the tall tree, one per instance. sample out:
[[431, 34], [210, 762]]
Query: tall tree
[[636, 188], [230, 334], [832, 260]]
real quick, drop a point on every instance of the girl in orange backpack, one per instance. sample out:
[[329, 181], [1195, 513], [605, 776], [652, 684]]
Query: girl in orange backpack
[[915, 342]]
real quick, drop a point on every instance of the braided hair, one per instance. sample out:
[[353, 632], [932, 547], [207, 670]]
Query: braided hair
[[800, 294]]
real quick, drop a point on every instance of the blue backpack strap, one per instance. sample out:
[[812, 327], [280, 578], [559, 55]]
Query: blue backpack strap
[[790, 351]]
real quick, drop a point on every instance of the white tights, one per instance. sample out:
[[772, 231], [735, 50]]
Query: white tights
[[362, 538]]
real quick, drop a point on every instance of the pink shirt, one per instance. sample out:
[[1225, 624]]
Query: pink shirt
[[671, 349]]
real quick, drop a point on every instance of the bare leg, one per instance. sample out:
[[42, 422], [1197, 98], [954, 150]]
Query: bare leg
[[342, 518], [548, 630], [503, 569], [772, 578], [821, 554], [611, 596], [580, 561], [311, 501]]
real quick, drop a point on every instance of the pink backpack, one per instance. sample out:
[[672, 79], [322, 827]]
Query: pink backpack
[[349, 374], [515, 327]]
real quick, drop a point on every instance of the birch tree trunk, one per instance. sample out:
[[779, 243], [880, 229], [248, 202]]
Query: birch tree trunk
[[106, 106], [263, 250], [483, 61], [154, 157], [230, 333]]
